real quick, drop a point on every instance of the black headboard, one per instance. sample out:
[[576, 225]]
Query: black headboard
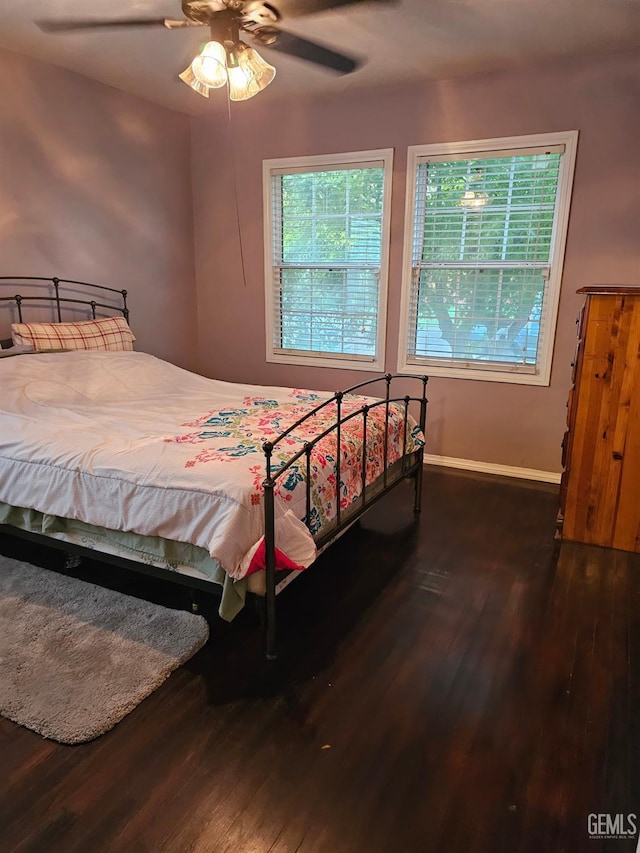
[[57, 293]]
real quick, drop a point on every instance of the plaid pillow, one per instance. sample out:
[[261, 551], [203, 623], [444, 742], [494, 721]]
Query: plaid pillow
[[111, 333]]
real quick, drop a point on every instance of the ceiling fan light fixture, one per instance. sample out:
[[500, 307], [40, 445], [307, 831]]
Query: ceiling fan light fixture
[[209, 66], [225, 56], [248, 72]]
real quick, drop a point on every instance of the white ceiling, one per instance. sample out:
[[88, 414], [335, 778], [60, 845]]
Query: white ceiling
[[417, 39]]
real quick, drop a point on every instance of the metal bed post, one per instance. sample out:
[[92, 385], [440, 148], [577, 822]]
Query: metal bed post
[[385, 452], [270, 554], [307, 450], [407, 400], [417, 504], [365, 414], [338, 397], [56, 288]]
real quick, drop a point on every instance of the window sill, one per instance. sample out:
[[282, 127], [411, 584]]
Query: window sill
[[345, 363], [489, 375]]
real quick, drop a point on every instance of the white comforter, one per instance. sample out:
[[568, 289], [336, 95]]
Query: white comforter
[[126, 441]]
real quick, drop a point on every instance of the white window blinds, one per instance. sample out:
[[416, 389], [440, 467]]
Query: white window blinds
[[327, 248], [482, 255]]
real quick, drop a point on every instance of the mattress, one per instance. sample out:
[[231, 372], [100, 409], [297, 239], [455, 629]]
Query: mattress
[[179, 557]]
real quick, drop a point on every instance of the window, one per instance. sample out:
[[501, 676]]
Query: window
[[486, 225], [326, 258]]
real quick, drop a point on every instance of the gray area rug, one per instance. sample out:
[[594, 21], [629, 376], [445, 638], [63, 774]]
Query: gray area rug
[[76, 658]]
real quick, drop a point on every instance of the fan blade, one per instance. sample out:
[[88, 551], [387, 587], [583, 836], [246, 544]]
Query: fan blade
[[298, 8], [73, 26], [313, 52]]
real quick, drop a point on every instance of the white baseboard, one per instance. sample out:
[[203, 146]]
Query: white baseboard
[[492, 468]]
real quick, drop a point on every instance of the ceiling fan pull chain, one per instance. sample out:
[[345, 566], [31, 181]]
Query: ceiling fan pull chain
[[235, 193]]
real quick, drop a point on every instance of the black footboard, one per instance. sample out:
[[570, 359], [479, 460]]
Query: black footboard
[[409, 465]]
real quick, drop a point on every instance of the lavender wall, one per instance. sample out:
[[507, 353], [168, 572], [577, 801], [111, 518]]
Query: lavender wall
[[95, 184], [491, 422]]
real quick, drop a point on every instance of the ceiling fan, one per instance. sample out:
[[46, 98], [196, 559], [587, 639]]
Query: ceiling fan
[[225, 58]]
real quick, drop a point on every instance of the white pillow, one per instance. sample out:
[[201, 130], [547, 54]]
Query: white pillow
[[15, 350]]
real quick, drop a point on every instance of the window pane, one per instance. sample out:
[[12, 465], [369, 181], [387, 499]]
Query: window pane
[[494, 209], [332, 311], [476, 314], [330, 217]]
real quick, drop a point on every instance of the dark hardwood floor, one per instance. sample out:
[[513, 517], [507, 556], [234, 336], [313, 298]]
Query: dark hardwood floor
[[463, 683]]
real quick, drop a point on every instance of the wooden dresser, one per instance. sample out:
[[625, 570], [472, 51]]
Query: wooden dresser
[[600, 490]]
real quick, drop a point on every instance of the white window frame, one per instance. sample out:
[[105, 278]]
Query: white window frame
[[513, 144], [299, 164]]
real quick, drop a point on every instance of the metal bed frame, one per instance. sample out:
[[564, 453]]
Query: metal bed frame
[[410, 465]]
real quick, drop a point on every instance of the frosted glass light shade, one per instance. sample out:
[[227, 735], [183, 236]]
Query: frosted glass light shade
[[248, 74], [208, 70], [210, 66], [189, 78]]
